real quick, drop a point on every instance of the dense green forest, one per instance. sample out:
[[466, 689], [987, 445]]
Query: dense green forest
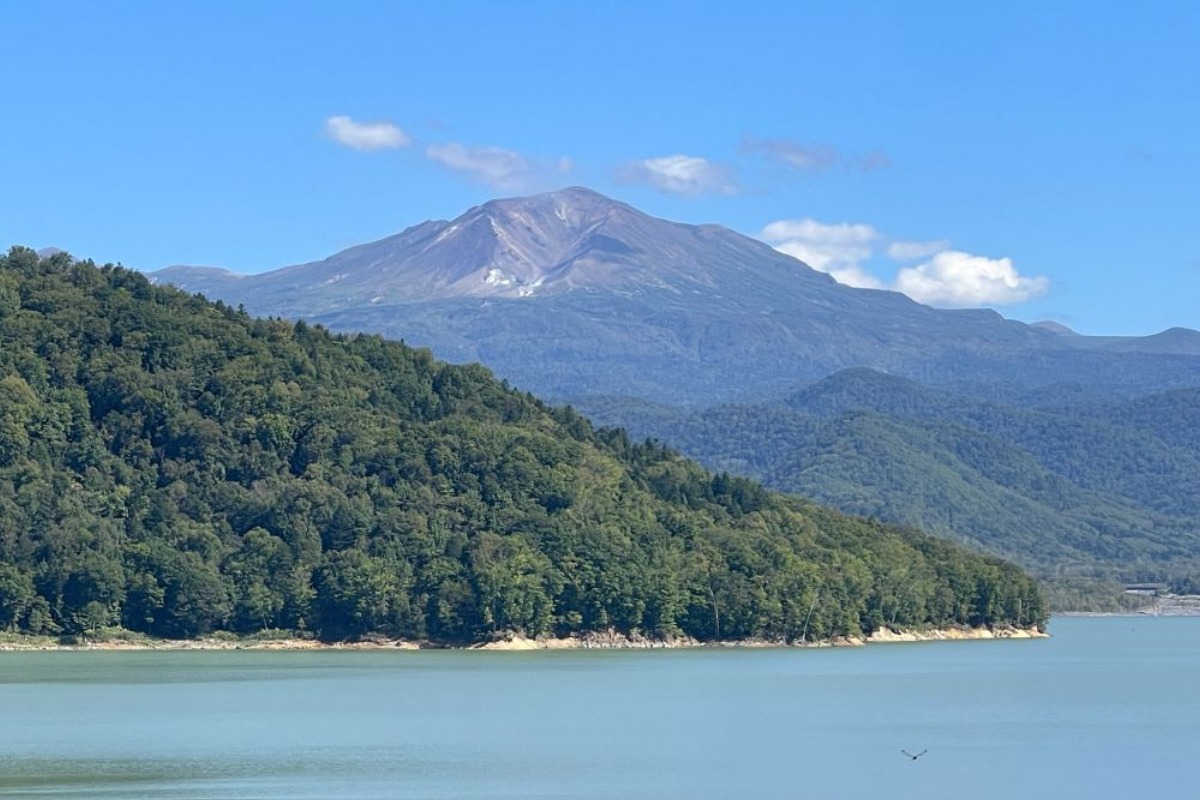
[[1083, 486], [175, 467]]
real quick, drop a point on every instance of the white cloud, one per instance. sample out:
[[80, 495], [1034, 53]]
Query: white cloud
[[680, 174], [912, 251], [494, 166], [366, 136], [953, 279], [837, 249], [949, 278]]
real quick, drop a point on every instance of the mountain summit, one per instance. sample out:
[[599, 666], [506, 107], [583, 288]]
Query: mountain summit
[[542, 245], [570, 293]]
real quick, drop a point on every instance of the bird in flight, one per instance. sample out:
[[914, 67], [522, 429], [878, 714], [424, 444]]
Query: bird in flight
[[914, 756]]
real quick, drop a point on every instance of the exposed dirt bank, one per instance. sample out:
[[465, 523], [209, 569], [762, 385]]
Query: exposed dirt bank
[[610, 640], [616, 640]]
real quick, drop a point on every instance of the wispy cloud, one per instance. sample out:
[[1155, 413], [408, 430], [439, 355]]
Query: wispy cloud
[[366, 136], [493, 166], [804, 157], [1139, 154], [838, 249], [954, 279], [947, 278], [876, 159], [900, 250], [812, 158], [680, 174]]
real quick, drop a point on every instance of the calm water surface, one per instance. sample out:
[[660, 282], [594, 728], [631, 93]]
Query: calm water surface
[[1108, 708]]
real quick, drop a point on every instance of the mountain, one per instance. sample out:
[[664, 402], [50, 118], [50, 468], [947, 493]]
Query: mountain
[[1064, 451], [1075, 486], [1054, 327], [178, 467], [572, 293], [541, 246]]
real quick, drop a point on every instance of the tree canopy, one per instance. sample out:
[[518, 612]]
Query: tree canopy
[[1084, 486], [177, 467]]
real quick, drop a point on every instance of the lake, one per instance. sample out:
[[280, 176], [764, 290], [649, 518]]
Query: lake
[[1107, 708]]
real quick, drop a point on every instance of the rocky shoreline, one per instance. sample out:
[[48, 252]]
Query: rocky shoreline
[[612, 640], [603, 640]]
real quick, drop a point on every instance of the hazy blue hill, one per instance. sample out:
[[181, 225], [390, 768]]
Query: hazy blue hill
[[948, 478], [1065, 490], [1173, 417], [1130, 450], [1172, 340], [865, 389]]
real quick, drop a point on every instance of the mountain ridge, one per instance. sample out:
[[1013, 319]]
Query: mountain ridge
[[1098, 486], [513, 248], [1068, 452], [570, 292]]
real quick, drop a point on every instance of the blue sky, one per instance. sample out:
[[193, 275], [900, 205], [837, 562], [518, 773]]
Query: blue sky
[[1041, 159]]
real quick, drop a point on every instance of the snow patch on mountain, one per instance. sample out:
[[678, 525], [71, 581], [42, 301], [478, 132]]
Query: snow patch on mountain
[[496, 277]]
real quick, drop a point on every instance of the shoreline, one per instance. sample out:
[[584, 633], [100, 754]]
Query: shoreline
[[607, 640], [881, 636], [1164, 605]]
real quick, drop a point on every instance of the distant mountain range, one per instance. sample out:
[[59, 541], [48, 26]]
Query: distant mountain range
[[1072, 454], [572, 293], [1067, 486]]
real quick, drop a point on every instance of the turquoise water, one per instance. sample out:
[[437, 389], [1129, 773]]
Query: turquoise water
[[1108, 708]]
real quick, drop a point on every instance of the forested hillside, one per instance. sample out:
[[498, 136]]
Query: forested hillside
[[176, 467], [1071, 482]]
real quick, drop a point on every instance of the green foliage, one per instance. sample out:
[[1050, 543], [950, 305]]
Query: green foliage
[[176, 467], [1086, 487]]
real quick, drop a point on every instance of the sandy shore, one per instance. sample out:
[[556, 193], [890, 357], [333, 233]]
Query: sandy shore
[[609, 640], [945, 634]]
